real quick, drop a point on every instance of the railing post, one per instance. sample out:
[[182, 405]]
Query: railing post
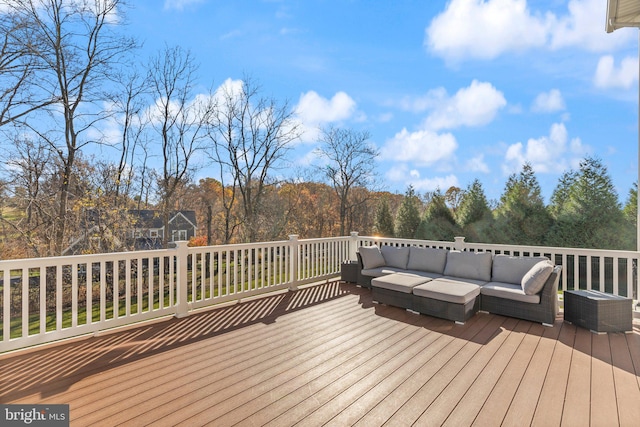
[[353, 246], [459, 244], [293, 245], [182, 262]]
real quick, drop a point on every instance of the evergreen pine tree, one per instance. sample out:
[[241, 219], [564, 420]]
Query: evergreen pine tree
[[474, 216], [630, 212], [384, 220], [437, 222], [521, 216], [408, 216], [590, 216]]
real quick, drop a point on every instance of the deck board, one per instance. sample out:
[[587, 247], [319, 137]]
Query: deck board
[[497, 404], [578, 396], [326, 355]]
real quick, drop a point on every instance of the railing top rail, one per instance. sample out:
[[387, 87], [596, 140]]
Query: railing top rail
[[504, 247], [407, 241], [241, 246], [81, 259], [553, 249]]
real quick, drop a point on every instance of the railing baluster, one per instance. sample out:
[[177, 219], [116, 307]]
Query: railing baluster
[[58, 288], [602, 279], [25, 302], [127, 281], [43, 300], [616, 261], [589, 263]]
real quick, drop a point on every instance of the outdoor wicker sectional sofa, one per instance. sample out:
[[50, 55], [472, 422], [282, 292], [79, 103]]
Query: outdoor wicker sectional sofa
[[455, 285]]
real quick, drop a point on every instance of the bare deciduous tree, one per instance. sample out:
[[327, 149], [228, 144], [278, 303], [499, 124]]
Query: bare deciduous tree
[[349, 164], [77, 48], [179, 119], [250, 135], [19, 65]]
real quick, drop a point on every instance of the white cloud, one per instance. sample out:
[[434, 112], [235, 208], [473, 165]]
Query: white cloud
[[486, 29], [401, 173], [179, 4], [438, 182], [475, 105], [548, 154], [313, 111], [423, 103], [548, 102], [317, 109], [609, 76], [477, 164], [583, 27], [422, 147]]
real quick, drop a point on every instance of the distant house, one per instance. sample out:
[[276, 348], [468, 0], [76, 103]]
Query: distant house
[[146, 231], [148, 227]]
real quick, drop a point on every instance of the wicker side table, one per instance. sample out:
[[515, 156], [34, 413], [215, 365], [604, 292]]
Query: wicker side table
[[597, 311], [349, 271]]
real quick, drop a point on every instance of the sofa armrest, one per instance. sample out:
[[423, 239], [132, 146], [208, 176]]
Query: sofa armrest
[[549, 293], [364, 281]]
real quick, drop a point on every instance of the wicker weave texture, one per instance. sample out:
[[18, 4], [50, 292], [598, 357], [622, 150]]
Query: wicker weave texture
[[446, 310], [597, 311], [389, 297]]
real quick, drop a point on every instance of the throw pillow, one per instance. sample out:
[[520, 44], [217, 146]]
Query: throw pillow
[[469, 265], [397, 257], [511, 269], [371, 257], [427, 259], [534, 280]]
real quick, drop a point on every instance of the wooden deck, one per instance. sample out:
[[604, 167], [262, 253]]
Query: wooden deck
[[326, 355]]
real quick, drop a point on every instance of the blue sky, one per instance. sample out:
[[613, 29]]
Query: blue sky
[[450, 91]]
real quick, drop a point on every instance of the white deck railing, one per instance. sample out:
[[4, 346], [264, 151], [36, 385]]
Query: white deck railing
[[48, 299]]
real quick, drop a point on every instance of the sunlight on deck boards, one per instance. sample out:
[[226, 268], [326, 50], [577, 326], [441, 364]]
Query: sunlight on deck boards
[[325, 355]]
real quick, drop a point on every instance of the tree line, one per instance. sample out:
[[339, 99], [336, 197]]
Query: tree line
[[89, 133], [584, 212]]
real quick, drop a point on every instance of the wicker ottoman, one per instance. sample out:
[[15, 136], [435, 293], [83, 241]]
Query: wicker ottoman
[[395, 289], [597, 311], [447, 299]]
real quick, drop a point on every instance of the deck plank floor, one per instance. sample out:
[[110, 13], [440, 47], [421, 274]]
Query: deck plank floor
[[326, 355]]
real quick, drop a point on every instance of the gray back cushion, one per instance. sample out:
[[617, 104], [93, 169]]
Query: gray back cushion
[[371, 257], [511, 269], [469, 265], [427, 259], [395, 257], [534, 280]]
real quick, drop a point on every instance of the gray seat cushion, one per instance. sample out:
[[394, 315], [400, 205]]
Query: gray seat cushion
[[451, 279], [508, 291], [398, 282], [395, 256], [449, 291], [427, 259], [381, 271], [469, 265], [371, 257], [420, 273], [511, 269]]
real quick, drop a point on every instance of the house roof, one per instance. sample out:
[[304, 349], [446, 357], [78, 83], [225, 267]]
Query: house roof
[[622, 13], [147, 218]]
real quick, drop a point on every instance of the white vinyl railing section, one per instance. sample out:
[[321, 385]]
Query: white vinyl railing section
[[48, 299]]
